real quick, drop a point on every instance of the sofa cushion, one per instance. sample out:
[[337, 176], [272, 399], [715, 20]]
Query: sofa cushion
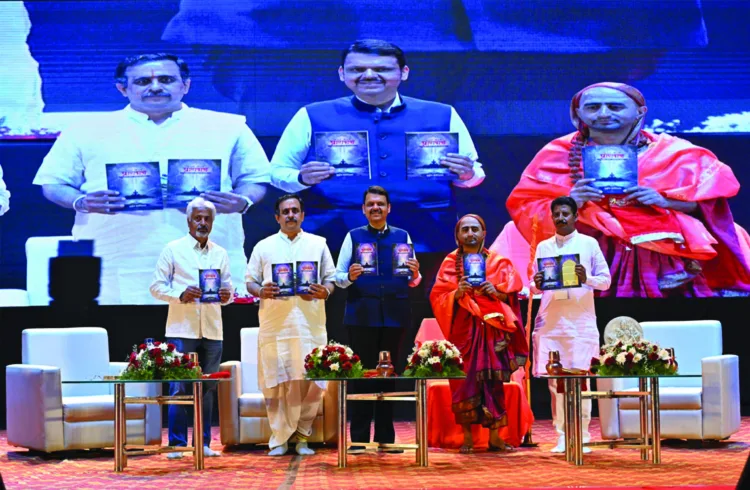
[[97, 407], [670, 398]]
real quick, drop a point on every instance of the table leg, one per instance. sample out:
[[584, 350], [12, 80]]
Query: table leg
[[198, 425], [342, 424], [643, 412], [655, 421], [422, 421], [577, 423], [120, 437], [567, 415]]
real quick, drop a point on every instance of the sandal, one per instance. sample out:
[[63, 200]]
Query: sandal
[[505, 448], [465, 449]]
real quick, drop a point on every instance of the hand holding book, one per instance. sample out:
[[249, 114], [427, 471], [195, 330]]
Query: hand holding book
[[460, 165], [225, 202], [312, 173]]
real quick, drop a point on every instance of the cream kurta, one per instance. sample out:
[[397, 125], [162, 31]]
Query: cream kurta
[[566, 321], [290, 327]]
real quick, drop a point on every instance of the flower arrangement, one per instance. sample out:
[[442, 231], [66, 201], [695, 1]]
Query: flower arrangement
[[435, 358], [333, 361], [637, 358], [159, 360]]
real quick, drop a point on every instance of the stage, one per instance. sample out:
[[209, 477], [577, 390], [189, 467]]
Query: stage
[[683, 466]]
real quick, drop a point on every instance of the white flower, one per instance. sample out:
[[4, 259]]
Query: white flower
[[449, 354], [163, 346], [318, 353], [632, 350], [620, 358], [349, 352], [335, 366], [434, 360], [637, 358], [664, 354]]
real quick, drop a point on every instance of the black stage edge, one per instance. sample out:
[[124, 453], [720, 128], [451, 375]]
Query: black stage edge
[[129, 325]]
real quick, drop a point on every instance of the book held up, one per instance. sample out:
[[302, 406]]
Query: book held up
[[348, 152], [366, 255], [614, 167], [424, 151], [139, 183], [188, 179], [209, 281], [402, 252], [475, 268], [559, 272]]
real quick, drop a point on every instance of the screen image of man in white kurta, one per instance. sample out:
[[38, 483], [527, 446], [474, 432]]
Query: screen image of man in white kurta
[[378, 311], [566, 321], [290, 326], [155, 127]]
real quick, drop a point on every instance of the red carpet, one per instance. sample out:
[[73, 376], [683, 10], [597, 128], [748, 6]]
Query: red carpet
[[684, 466]]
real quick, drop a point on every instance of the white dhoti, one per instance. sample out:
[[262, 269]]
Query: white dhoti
[[558, 411], [292, 407]]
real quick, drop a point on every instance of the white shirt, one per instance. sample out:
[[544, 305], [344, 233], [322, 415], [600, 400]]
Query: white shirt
[[177, 269], [566, 320], [295, 143], [130, 242], [345, 260], [4, 195], [290, 327]]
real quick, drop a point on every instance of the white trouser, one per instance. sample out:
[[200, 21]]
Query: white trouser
[[291, 407], [558, 411]]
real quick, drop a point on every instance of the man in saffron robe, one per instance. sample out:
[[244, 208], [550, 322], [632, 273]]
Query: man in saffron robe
[[671, 235], [483, 323]]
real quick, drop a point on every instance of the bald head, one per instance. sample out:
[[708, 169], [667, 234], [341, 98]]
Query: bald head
[[609, 113], [470, 234]]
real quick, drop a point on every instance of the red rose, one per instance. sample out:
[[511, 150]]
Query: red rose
[[132, 356], [159, 361], [326, 363], [176, 361], [653, 356], [154, 352], [340, 350], [142, 347], [610, 361], [344, 358], [601, 352], [157, 343], [438, 367], [136, 364], [355, 358], [186, 357], [435, 351], [628, 358], [455, 360], [415, 358], [594, 361], [307, 358], [190, 365], [347, 366], [171, 347]]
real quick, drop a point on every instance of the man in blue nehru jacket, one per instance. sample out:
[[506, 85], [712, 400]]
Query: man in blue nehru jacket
[[377, 305], [373, 70]]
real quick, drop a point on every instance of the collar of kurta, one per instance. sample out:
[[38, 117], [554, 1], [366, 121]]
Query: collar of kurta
[[197, 244], [141, 117], [398, 105], [560, 239], [375, 231], [285, 237]]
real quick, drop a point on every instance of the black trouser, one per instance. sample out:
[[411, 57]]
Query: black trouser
[[367, 342]]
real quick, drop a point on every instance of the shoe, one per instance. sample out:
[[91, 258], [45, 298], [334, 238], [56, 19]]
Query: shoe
[[303, 450], [210, 453], [279, 450], [175, 455], [356, 450], [560, 448], [391, 450]]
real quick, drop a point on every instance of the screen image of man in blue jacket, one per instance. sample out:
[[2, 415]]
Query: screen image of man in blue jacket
[[374, 70]]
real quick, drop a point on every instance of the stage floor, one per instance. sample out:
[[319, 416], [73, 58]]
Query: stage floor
[[684, 465]]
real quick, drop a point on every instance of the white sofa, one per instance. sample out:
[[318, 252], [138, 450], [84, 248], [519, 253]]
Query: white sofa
[[242, 409], [45, 415], [702, 408]]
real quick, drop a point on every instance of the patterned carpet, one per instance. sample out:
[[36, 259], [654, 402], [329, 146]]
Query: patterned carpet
[[683, 465]]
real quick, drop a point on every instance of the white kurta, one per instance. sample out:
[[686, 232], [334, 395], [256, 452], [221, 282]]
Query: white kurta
[[566, 321], [290, 327], [129, 243]]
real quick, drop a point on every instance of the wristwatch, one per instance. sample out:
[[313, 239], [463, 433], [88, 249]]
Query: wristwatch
[[249, 203]]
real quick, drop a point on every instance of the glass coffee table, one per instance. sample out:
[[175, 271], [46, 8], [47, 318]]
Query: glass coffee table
[[648, 395], [122, 449]]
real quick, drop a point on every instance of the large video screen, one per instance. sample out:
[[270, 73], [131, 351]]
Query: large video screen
[[508, 68]]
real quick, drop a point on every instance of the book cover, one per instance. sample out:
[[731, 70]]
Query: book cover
[[615, 167], [475, 269], [139, 183], [307, 273], [283, 276], [209, 281], [188, 179], [347, 151], [423, 153], [559, 272], [401, 253], [366, 255]]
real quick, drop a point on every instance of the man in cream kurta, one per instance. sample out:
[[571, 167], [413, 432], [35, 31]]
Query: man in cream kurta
[[290, 327], [566, 321]]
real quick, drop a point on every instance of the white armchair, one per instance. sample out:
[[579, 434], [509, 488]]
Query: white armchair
[[703, 408], [46, 415], [242, 408]]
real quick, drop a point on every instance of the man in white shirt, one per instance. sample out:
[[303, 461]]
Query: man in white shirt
[[373, 70], [193, 325], [290, 326], [155, 127], [566, 321]]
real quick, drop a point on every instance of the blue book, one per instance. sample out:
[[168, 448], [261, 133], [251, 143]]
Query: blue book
[[307, 273], [209, 281], [188, 179], [139, 183], [615, 167], [559, 272], [401, 253], [283, 276], [475, 268], [423, 154], [366, 255], [347, 151]]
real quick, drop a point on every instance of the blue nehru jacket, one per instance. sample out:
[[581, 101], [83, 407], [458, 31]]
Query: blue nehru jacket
[[387, 141], [382, 300]]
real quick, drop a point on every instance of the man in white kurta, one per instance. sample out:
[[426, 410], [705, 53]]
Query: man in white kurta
[[290, 327], [155, 127], [566, 321]]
